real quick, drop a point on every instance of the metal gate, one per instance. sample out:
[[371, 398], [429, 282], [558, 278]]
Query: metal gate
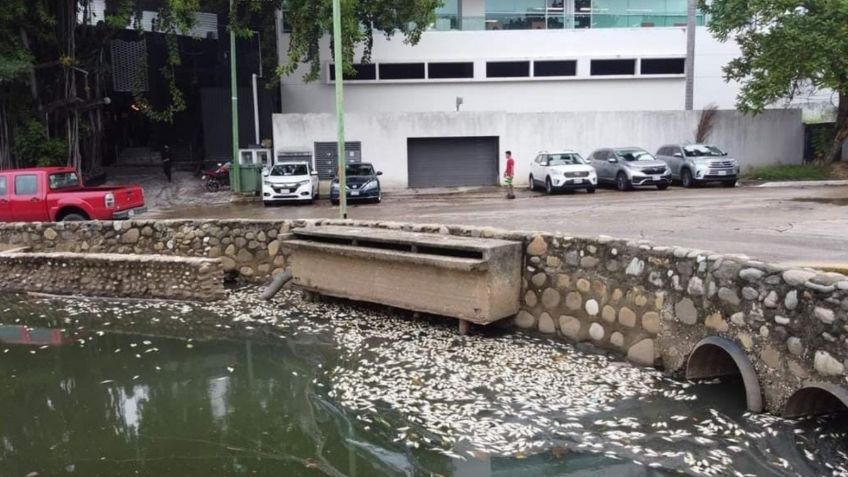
[[327, 157], [453, 161]]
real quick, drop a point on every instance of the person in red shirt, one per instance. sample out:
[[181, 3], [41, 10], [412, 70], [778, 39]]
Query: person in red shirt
[[509, 174]]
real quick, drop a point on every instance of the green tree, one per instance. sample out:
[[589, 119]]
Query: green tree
[[788, 46], [312, 20]]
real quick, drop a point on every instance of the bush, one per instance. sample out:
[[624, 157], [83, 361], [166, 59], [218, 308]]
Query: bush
[[805, 172], [32, 146]]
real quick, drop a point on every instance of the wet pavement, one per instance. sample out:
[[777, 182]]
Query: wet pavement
[[788, 225], [242, 387]]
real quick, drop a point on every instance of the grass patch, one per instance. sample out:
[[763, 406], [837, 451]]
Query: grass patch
[[805, 172]]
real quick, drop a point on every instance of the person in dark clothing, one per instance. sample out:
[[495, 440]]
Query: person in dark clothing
[[167, 159]]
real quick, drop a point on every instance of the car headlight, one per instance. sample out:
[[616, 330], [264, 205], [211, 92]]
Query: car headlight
[[302, 183], [268, 183], [369, 185]]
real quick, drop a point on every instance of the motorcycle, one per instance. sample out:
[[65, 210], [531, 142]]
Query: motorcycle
[[216, 179]]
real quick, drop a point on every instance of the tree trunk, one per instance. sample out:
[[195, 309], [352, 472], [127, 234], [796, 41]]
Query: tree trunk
[[841, 130], [5, 140]]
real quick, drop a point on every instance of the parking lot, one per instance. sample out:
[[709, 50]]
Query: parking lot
[[788, 224]]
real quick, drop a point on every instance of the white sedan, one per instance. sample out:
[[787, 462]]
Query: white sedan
[[290, 181], [566, 170]]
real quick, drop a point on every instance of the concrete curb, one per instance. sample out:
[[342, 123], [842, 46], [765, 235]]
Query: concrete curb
[[805, 183]]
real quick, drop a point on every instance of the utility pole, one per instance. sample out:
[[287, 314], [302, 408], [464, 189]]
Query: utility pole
[[339, 69], [691, 15], [235, 181]]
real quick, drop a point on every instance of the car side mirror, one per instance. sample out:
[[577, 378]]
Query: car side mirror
[[266, 173], [723, 153], [379, 173], [313, 173], [612, 160], [677, 154]]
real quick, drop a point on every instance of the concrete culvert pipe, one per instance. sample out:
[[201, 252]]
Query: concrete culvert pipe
[[277, 284], [815, 399], [715, 357]]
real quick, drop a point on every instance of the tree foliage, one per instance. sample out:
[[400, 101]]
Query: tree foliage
[[787, 47], [312, 20]]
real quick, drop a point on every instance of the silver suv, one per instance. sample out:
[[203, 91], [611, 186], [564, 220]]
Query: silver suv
[[626, 167], [692, 164]]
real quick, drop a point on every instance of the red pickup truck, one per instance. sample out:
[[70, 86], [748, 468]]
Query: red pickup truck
[[55, 194]]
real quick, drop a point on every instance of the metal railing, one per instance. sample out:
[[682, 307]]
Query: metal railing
[[559, 20]]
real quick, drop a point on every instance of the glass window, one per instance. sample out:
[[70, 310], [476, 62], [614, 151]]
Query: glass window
[[450, 70], [26, 185], [700, 150], [359, 170], [2, 186], [633, 155], [65, 180], [663, 66], [566, 159], [613, 67], [555, 68], [282, 170], [508, 69], [401, 71], [360, 73]]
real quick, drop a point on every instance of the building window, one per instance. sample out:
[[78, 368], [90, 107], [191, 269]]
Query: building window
[[613, 67], [401, 71], [508, 69], [555, 68], [450, 70], [362, 73], [663, 66]]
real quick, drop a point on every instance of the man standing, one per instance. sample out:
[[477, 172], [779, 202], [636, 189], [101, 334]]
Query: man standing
[[509, 174], [166, 161]]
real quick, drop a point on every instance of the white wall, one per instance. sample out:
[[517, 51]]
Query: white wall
[[581, 93], [776, 136]]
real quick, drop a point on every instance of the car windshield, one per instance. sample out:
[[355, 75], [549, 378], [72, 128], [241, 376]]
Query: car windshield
[[632, 155], [566, 159], [359, 170], [64, 180], [290, 170], [701, 150]]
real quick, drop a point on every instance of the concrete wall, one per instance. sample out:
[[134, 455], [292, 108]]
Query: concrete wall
[[651, 303], [776, 136], [580, 93], [110, 275]]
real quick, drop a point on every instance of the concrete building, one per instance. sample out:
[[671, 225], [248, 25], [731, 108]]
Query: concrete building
[[488, 62]]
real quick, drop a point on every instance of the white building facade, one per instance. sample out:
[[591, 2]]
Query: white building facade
[[514, 57]]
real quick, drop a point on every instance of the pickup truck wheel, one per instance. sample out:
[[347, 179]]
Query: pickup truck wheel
[[729, 184], [662, 186], [686, 179], [549, 187], [532, 183], [622, 183], [590, 190], [73, 218]]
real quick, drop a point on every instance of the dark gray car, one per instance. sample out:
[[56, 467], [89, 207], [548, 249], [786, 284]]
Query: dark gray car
[[628, 167], [692, 164]]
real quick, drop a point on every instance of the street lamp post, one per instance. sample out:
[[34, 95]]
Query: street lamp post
[[339, 69], [236, 169]]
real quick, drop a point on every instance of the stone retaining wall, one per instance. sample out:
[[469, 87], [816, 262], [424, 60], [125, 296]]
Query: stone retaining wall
[[110, 275], [650, 303]]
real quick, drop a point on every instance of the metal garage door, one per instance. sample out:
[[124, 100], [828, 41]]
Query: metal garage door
[[453, 161]]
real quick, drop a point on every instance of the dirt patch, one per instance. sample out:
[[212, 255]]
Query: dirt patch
[[824, 200]]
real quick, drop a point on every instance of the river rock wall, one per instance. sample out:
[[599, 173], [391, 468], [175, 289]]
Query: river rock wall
[[651, 303], [112, 275]]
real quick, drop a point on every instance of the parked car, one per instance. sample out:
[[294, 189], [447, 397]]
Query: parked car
[[363, 184], [290, 181], [628, 167], [694, 164], [56, 194], [565, 170]]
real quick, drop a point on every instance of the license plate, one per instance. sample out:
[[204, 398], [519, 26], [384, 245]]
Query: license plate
[[354, 193], [722, 173], [657, 178]]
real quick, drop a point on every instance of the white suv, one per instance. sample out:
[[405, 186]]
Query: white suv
[[290, 181], [565, 170]]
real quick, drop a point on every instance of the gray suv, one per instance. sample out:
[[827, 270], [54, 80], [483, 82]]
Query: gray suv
[[692, 164], [626, 167]]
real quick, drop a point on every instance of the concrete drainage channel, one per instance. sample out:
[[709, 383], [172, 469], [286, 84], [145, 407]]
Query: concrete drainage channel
[[688, 311]]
